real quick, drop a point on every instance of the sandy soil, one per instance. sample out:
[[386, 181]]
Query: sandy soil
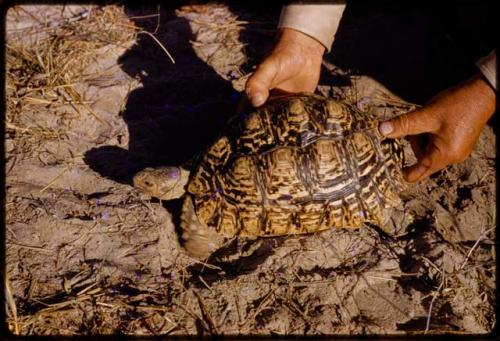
[[91, 100]]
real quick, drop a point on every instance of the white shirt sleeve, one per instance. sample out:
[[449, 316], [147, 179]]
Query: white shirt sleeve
[[488, 67], [318, 21]]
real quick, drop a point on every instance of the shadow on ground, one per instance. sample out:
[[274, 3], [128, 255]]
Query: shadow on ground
[[178, 110]]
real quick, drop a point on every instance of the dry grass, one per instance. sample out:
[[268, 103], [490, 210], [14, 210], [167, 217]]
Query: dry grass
[[46, 62]]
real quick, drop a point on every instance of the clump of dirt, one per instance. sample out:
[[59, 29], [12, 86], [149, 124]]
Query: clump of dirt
[[91, 99]]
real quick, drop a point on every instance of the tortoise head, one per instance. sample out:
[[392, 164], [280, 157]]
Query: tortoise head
[[164, 183]]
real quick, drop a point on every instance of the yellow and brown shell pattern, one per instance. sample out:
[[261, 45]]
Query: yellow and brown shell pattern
[[301, 163]]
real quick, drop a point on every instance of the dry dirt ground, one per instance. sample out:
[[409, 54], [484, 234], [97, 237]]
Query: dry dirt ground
[[93, 95]]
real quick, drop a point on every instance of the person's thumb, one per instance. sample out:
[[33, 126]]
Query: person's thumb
[[413, 123], [259, 84]]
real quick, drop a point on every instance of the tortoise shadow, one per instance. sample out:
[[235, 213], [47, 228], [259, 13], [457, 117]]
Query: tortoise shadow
[[232, 261], [178, 109]]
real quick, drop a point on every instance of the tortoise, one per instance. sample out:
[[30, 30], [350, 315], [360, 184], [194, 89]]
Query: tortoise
[[299, 164]]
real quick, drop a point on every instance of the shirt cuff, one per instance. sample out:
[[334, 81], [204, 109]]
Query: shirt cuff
[[318, 21], [488, 67]]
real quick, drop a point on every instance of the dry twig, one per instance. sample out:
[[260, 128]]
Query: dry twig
[[434, 296]]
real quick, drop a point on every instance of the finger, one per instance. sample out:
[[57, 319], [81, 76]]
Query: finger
[[417, 145], [430, 162], [258, 85], [277, 92], [413, 123]]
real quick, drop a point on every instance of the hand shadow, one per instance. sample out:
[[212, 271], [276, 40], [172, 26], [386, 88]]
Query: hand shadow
[[180, 107]]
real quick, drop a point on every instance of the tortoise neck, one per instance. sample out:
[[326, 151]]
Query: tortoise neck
[[180, 187]]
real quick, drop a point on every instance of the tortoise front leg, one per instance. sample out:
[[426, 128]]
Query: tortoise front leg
[[199, 241]]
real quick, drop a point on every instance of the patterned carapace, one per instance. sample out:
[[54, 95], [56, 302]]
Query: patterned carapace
[[300, 164]]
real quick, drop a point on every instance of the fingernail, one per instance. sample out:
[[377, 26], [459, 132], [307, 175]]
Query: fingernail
[[257, 99], [385, 128]]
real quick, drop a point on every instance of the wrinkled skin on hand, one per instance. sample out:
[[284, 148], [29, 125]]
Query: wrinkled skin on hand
[[293, 65], [447, 128]]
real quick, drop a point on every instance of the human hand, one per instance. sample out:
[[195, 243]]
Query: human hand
[[293, 66], [446, 129]]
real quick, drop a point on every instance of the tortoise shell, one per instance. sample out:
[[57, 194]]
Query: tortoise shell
[[301, 163]]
